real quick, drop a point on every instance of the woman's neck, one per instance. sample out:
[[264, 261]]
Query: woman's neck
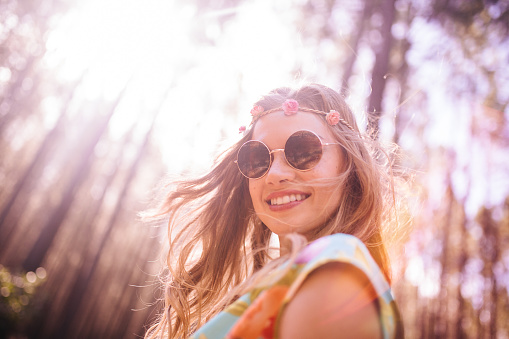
[[284, 245]]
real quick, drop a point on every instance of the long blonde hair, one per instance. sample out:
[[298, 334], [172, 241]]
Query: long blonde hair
[[216, 241]]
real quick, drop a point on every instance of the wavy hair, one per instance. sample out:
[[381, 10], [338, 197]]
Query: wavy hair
[[218, 246]]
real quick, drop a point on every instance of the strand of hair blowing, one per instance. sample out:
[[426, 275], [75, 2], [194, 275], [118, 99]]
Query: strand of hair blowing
[[218, 227]]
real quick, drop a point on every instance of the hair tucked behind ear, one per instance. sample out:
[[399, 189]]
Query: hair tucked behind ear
[[217, 242]]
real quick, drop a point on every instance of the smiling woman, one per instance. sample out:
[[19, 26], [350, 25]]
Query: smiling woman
[[303, 172]]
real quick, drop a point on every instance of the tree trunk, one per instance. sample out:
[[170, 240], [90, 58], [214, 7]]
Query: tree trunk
[[78, 291], [354, 46], [380, 68], [442, 310], [128, 316], [51, 227], [463, 257], [8, 226], [85, 232], [402, 71]]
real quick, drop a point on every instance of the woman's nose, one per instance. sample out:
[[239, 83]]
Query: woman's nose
[[279, 170]]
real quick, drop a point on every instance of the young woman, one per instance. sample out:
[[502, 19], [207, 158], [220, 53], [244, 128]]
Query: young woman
[[303, 172]]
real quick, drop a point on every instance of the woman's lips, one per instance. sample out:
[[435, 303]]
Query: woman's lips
[[283, 200]]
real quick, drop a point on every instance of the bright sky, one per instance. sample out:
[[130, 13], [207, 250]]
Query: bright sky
[[152, 46]]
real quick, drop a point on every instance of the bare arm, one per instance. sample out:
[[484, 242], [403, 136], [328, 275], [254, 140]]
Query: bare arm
[[335, 300]]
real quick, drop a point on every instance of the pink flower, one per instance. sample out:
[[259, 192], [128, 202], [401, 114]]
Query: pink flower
[[290, 107], [242, 129], [256, 110], [332, 117]]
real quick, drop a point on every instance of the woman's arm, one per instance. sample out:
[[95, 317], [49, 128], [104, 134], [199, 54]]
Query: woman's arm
[[335, 300]]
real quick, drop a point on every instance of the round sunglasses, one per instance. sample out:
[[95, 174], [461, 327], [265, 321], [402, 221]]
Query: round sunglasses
[[303, 151]]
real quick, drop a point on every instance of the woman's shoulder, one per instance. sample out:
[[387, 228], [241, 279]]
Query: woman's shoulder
[[339, 289], [344, 249], [337, 246], [334, 298]]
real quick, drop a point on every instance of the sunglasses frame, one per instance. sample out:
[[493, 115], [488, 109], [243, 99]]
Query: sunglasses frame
[[284, 154]]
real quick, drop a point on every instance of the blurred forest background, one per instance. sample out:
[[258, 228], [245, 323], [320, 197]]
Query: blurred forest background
[[101, 99]]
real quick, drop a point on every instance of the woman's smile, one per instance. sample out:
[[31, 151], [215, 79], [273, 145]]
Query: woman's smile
[[282, 200]]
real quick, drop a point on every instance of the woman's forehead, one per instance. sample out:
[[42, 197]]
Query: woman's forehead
[[277, 125]]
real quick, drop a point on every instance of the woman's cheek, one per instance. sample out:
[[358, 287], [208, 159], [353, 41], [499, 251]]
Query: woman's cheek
[[254, 191]]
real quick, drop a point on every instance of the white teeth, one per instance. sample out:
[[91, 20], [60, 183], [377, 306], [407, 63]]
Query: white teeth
[[287, 199]]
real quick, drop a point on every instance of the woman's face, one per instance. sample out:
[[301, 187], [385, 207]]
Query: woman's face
[[303, 205]]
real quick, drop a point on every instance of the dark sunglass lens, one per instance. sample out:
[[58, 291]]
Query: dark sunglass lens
[[253, 159], [303, 150]]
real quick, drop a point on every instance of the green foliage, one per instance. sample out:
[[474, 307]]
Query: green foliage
[[19, 304]]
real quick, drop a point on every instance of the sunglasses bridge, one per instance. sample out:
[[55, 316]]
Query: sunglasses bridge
[[284, 156], [277, 150]]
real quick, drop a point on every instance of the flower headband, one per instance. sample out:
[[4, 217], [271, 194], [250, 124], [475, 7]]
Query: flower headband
[[291, 107]]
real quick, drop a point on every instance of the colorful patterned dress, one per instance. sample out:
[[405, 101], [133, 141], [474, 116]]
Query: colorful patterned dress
[[256, 314]]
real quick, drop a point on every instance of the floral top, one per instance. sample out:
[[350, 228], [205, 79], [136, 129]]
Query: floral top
[[256, 314]]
